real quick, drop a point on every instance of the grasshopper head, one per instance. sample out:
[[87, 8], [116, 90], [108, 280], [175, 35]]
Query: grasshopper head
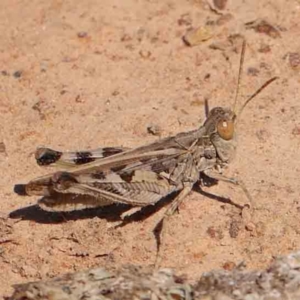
[[222, 120], [220, 127]]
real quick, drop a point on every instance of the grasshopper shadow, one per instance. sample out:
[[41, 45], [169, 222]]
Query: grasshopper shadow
[[208, 182], [111, 213], [35, 213], [217, 198]]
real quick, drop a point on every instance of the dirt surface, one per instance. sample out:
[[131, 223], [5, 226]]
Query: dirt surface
[[81, 75]]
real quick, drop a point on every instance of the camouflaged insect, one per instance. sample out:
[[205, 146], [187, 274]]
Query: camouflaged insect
[[144, 175], [140, 176]]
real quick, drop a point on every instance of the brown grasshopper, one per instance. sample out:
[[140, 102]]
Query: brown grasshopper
[[142, 176]]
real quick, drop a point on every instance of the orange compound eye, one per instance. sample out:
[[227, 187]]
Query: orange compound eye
[[225, 129]]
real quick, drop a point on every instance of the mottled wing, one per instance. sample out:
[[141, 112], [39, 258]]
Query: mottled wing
[[138, 177], [136, 182], [46, 156]]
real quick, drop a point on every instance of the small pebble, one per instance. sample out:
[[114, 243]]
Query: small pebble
[[294, 60], [252, 71], [154, 129], [234, 229], [82, 34], [17, 74], [262, 26], [250, 226], [197, 36], [229, 265], [264, 48], [215, 233], [296, 130], [2, 147], [220, 4], [145, 54], [185, 20]]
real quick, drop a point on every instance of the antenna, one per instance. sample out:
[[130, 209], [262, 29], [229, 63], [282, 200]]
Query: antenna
[[238, 85], [206, 107], [239, 75], [255, 94]]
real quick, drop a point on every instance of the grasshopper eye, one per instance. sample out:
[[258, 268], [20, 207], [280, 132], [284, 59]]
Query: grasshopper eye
[[225, 129]]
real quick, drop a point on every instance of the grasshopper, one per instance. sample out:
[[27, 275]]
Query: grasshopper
[[144, 175]]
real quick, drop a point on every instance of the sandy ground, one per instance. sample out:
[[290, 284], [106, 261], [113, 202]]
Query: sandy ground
[[86, 74]]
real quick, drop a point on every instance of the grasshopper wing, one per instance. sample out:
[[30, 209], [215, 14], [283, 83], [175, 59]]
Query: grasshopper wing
[[138, 177]]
